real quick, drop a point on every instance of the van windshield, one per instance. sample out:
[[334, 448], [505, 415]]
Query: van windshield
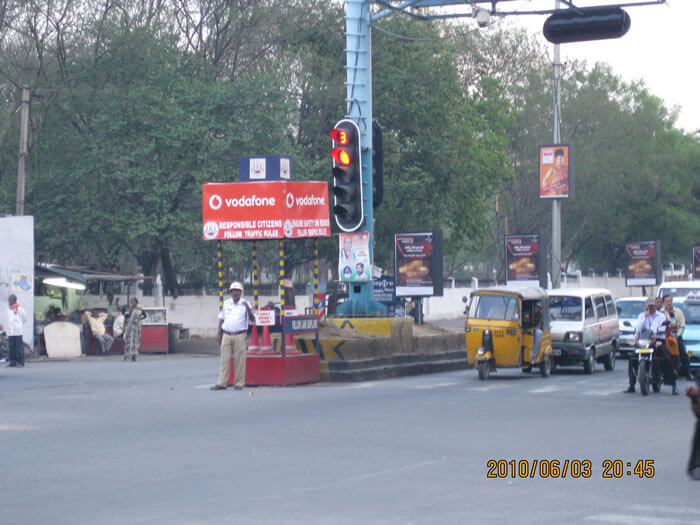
[[565, 308], [678, 292], [494, 307]]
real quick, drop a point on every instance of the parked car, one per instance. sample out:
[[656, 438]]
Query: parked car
[[628, 310], [584, 326]]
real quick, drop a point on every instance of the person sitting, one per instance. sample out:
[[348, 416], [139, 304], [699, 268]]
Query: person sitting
[[96, 320]]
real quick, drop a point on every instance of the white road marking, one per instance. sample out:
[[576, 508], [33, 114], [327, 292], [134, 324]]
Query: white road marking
[[637, 519], [436, 385], [602, 392], [356, 386], [545, 389], [486, 388]]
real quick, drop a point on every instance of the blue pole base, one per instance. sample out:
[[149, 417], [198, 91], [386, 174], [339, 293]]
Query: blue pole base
[[360, 306]]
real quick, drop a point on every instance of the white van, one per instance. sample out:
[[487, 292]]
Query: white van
[[679, 288], [584, 326]]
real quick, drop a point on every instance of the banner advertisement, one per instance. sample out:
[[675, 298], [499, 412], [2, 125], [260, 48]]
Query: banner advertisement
[[556, 171], [643, 263], [522, 257], [696, 262], [265, 210], [413, 256], [353, 259]]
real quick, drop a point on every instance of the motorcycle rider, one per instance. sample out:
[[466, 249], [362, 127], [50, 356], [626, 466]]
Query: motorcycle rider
[[676, 319], [650, 320]]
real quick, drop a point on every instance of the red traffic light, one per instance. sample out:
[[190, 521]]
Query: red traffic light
[[339, 136], [341, 156]]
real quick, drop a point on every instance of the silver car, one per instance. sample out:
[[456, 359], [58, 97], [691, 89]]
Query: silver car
[[628, 310]]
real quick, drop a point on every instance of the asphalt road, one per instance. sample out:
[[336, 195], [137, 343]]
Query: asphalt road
[[101, 441]]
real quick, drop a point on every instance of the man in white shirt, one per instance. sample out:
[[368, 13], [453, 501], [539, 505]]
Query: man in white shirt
[[16, 317], [233, 338], [650, 320]]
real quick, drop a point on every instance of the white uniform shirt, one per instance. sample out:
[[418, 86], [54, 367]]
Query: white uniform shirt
[[15, 321], [653, 323], [234, 316]]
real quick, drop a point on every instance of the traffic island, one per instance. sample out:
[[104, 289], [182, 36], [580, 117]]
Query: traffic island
[[368, 349]]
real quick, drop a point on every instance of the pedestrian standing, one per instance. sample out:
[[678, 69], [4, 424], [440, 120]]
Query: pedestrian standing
[[233, 337], [132, 330], [694, 460], [16, 317]]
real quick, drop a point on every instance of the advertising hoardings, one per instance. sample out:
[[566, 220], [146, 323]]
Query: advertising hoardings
[[384, 291], [643, 263], [418, 264], [696, 262], [522, 259], [556, 171], [353, 261], [265, 210]]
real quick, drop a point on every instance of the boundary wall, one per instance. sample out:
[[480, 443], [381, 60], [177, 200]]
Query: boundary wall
[[198, 313]]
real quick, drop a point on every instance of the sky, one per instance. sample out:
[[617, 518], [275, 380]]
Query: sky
[[661, 48]]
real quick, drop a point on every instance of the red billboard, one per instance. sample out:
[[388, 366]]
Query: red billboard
[[265, 210]]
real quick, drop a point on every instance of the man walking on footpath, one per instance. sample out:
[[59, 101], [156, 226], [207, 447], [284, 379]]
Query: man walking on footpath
[[16, 317], [233, 337]]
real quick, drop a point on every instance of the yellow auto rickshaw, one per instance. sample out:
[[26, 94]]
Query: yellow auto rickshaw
[[502, 329]]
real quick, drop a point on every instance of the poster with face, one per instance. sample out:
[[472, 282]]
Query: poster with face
[[353, 260], [556, 171]]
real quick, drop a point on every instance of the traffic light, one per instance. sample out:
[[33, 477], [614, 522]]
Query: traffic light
[[347, 176], [579, 24]]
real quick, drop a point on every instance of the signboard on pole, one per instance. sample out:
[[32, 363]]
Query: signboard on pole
[[643, 263], [265, 210], [418, 264], [556, 171], [522, 259]]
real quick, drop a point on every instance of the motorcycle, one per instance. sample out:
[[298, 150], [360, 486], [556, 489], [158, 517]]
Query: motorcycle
[[649, 371]]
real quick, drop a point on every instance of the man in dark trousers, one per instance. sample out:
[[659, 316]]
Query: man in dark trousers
[[16, 317]]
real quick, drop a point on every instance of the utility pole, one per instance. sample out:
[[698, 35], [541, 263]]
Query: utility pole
[[23, 129], [556, 203]]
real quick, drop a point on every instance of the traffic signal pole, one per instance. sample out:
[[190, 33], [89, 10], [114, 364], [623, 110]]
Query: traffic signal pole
[[556, 203], [358, 52]]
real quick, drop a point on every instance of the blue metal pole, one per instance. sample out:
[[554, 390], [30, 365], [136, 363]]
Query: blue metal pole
[[358, 52]]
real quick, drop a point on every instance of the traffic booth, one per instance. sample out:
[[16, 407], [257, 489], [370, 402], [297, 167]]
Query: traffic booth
[[266, 205]]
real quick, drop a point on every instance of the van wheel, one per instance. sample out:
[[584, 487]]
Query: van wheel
[[589, 363], [546, 366], [609, 361], [484, 369]]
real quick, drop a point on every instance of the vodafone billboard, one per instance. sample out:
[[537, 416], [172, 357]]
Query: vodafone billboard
[[265, 210]]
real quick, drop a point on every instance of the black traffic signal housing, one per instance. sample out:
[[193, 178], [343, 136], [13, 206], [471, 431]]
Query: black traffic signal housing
[[580, 24], [348, 206]]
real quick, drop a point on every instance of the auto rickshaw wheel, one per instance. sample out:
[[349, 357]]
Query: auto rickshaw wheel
[[484, 369], [546, 366]]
